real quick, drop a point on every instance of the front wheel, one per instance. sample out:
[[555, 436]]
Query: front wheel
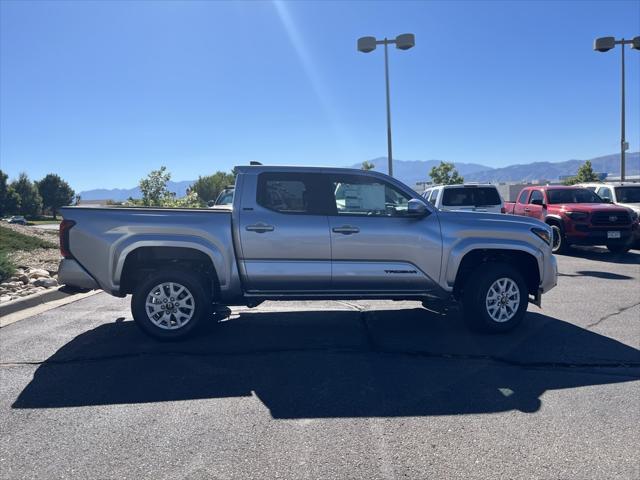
[[170, 304], [559, 241], [619, 247], [496, 299]]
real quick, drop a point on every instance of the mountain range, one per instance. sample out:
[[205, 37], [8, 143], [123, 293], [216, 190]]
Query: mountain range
[[413, 171]]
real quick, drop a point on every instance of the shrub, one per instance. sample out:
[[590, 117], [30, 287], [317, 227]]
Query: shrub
[[7, 269]]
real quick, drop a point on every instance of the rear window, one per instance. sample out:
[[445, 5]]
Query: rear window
[[470, 196], [289, 192]]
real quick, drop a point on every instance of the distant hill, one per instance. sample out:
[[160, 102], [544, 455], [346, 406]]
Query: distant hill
[[551, 171], [413, 171], [121, 194]]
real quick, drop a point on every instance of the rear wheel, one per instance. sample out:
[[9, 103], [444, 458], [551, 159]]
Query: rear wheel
[[496, 299], [170, 305]]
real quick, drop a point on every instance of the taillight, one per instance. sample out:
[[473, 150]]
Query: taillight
[[65, 226]]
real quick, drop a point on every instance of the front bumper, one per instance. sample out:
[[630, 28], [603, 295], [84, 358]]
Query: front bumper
[[550, 274], [71, 273], [599, 237]]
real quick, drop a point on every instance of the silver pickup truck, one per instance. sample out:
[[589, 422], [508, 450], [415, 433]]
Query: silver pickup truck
[[307, 233]]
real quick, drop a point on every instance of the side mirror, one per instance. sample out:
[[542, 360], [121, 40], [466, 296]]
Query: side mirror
[[606, 200], [416, 208], [538, 201]]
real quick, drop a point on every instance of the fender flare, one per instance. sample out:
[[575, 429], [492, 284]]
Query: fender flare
[[121, 250], [554, 218], [461, 249]]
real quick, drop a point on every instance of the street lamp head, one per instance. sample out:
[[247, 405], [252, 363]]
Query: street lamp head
[[405, 41], [604, 44], [366, 44], [635, 43]]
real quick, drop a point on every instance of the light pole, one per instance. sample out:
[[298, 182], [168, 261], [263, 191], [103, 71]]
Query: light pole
[[604, 44], [368, 44]]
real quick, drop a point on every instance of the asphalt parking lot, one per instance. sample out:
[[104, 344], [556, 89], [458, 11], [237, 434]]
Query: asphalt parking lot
[[333, 390]]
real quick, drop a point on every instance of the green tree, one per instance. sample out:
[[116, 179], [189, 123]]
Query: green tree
[[154, 188], [366, 165], [209, 187], [445, 174], [9, 199], [585, 175], [30, 201], [55, 193]]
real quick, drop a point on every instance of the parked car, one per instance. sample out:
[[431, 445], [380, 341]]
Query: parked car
[[468, 197], [623, 194], [225, 197], [19, 219], [577, 216], [307, 234]]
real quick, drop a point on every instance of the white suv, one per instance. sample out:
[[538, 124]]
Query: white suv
[[623, 194], [472, 197]]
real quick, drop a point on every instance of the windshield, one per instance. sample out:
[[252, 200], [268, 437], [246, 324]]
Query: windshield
[[628, 194], [470, 196], [573, 195], [225, 198]]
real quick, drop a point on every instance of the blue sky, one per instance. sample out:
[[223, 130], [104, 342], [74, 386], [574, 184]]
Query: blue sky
[[103, 92]]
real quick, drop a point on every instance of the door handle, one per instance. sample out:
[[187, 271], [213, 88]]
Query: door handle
[[346, 229], [259, 228], [527, 210]]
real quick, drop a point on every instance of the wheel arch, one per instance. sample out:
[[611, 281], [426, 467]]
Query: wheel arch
[[526, 264], [141, 260]]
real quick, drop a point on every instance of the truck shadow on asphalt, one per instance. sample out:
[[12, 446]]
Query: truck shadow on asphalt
[[321, 364], [601, 254]]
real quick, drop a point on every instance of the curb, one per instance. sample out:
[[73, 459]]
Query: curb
[[55, 297]]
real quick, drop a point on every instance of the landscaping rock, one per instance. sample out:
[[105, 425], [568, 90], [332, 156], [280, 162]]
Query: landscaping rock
[[37, 272], [46, 282]]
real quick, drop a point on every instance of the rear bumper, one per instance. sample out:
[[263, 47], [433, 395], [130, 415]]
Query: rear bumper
[[71, 273]]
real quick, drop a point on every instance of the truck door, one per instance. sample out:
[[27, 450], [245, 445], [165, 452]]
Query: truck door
[[375, 245], [284, 233], [535, 208], [521, 204]]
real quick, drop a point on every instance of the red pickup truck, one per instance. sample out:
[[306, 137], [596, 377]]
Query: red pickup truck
[[577, 216]]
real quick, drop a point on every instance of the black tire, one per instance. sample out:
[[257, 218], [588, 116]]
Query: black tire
[[476, 291], [619, 247], [559, 243], [199, 306]]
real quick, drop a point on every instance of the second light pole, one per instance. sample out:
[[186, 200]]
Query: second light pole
[[368, 44]]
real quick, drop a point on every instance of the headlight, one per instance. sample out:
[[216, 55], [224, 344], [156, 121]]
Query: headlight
[[543, 233], [577, 215], [634, 216]]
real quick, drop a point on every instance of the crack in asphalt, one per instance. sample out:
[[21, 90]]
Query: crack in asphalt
[[608, 316], [409, 353], [371, 347]]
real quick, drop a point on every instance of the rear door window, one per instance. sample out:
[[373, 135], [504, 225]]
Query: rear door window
[[470, 196], [291, 193]]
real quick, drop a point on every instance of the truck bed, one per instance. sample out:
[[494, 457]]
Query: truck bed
[[108, 234]]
